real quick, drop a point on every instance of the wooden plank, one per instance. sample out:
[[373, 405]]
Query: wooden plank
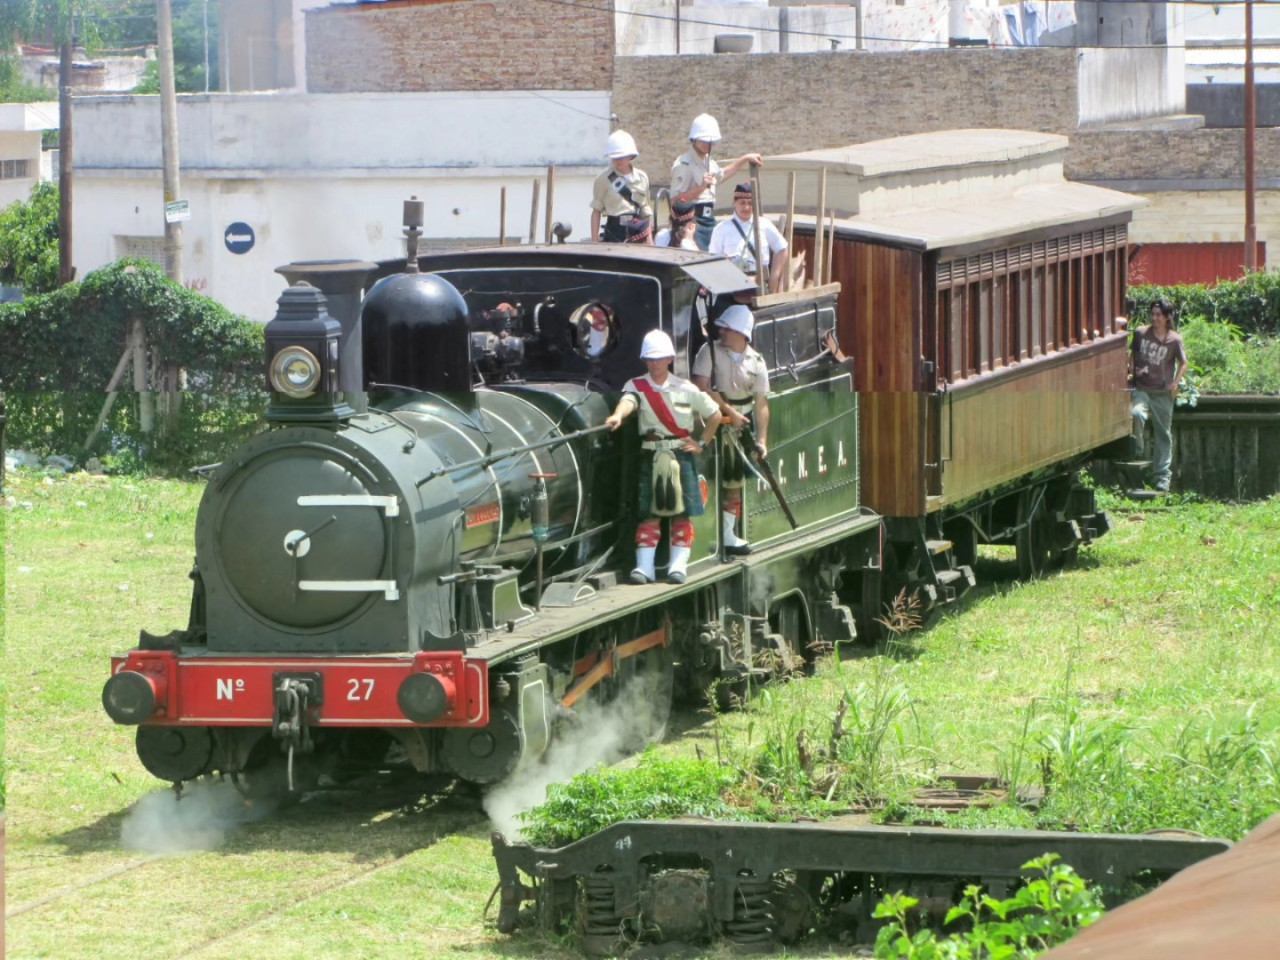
[[1245, 457], [1016, 421]]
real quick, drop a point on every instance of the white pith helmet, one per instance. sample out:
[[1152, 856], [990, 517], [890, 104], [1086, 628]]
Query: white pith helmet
[[656, 346], [738, 317], [620, 144], [705, 128]]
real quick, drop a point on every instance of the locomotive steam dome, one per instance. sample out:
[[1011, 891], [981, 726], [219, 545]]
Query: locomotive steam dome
[[416, 334]]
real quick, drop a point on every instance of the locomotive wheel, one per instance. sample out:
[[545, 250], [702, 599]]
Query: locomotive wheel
[[1032, 542], [648, 684]]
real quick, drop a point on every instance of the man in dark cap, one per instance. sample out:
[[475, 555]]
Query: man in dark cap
[[639, 231], [682, 229], [735, 238]]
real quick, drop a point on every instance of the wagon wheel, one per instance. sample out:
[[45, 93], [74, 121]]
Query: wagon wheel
[[1032, 541]]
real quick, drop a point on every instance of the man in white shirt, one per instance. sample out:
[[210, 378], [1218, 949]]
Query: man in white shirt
[[735, 238]]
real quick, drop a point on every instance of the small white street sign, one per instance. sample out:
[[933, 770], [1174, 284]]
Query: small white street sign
[[177, 211]]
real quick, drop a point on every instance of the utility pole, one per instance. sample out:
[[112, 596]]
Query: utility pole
[[169, 138], [1250, 125], [66, 271]]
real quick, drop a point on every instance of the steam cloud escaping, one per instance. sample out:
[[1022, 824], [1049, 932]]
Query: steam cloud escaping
[[160, 823], [596, 734]]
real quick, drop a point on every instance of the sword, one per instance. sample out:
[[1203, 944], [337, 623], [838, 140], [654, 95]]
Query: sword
[[760, 466]]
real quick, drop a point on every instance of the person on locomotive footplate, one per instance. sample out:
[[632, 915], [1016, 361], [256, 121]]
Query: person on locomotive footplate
[[734, 238], [668, 479], [621, 193], [682, 229], [1158, 360], [695, 174], [737, 378]]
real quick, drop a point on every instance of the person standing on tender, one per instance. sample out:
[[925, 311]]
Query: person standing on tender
[[735, 238], [695, 174], [737, 378], [669, 484], [1158, 360], [621, 193]]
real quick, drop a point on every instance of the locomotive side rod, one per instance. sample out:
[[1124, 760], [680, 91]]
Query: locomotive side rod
[[512, 452]]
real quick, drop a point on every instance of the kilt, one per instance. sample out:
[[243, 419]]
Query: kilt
[[689, 484]]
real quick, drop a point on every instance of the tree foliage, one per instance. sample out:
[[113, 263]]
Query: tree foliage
[[112, 24], [29, 241]]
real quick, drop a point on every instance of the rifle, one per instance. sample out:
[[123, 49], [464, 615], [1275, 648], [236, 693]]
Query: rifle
[[762, 467]]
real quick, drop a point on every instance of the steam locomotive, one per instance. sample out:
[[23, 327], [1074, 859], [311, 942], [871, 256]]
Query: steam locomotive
[[419, 560], [428, 569]]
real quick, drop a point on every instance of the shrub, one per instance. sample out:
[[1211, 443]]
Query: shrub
[[29, 241], [1252, 303], [58, 352]]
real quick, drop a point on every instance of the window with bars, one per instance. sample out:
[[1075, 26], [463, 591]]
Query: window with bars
[[142, 248], [14, 169], [1008, 305]]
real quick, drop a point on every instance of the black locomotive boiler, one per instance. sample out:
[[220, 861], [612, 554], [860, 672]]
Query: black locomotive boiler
[[427, 569]]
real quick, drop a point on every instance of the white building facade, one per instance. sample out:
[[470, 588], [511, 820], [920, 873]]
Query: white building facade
[[22, 161], [271, 178]]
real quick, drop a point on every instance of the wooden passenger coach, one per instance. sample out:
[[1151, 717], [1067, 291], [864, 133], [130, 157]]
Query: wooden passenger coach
[[979, 297]]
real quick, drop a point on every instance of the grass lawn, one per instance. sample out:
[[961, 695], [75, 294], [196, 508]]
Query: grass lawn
[[1163, 638]]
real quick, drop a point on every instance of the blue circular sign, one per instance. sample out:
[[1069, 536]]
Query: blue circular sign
[[239, 238]]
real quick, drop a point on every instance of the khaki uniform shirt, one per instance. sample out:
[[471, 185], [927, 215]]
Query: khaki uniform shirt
[[735, 380], [683, 400], [608, 201], [688, 171]]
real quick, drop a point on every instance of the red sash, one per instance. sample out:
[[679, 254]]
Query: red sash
[[660, 409]]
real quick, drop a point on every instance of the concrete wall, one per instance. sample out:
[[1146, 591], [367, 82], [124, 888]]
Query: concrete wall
[[648, 27], [1222, 104], [1205, 216], [301, 133], [460, 45], [256, 45], [1120, 83]]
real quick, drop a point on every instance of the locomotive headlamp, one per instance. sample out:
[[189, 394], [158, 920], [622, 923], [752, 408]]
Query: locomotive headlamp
[[302, 360], [295, 372]]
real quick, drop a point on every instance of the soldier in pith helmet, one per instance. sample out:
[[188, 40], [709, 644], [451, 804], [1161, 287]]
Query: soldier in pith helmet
[[669, 485], [695, 174], [737, 378]]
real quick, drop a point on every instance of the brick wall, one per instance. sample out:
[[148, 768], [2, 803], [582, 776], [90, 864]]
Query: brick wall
[[438, 45], [1169, 155], [782, 103]]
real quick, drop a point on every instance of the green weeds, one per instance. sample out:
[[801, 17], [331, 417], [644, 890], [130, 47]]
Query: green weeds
[[1045, 912], [657, 788]]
